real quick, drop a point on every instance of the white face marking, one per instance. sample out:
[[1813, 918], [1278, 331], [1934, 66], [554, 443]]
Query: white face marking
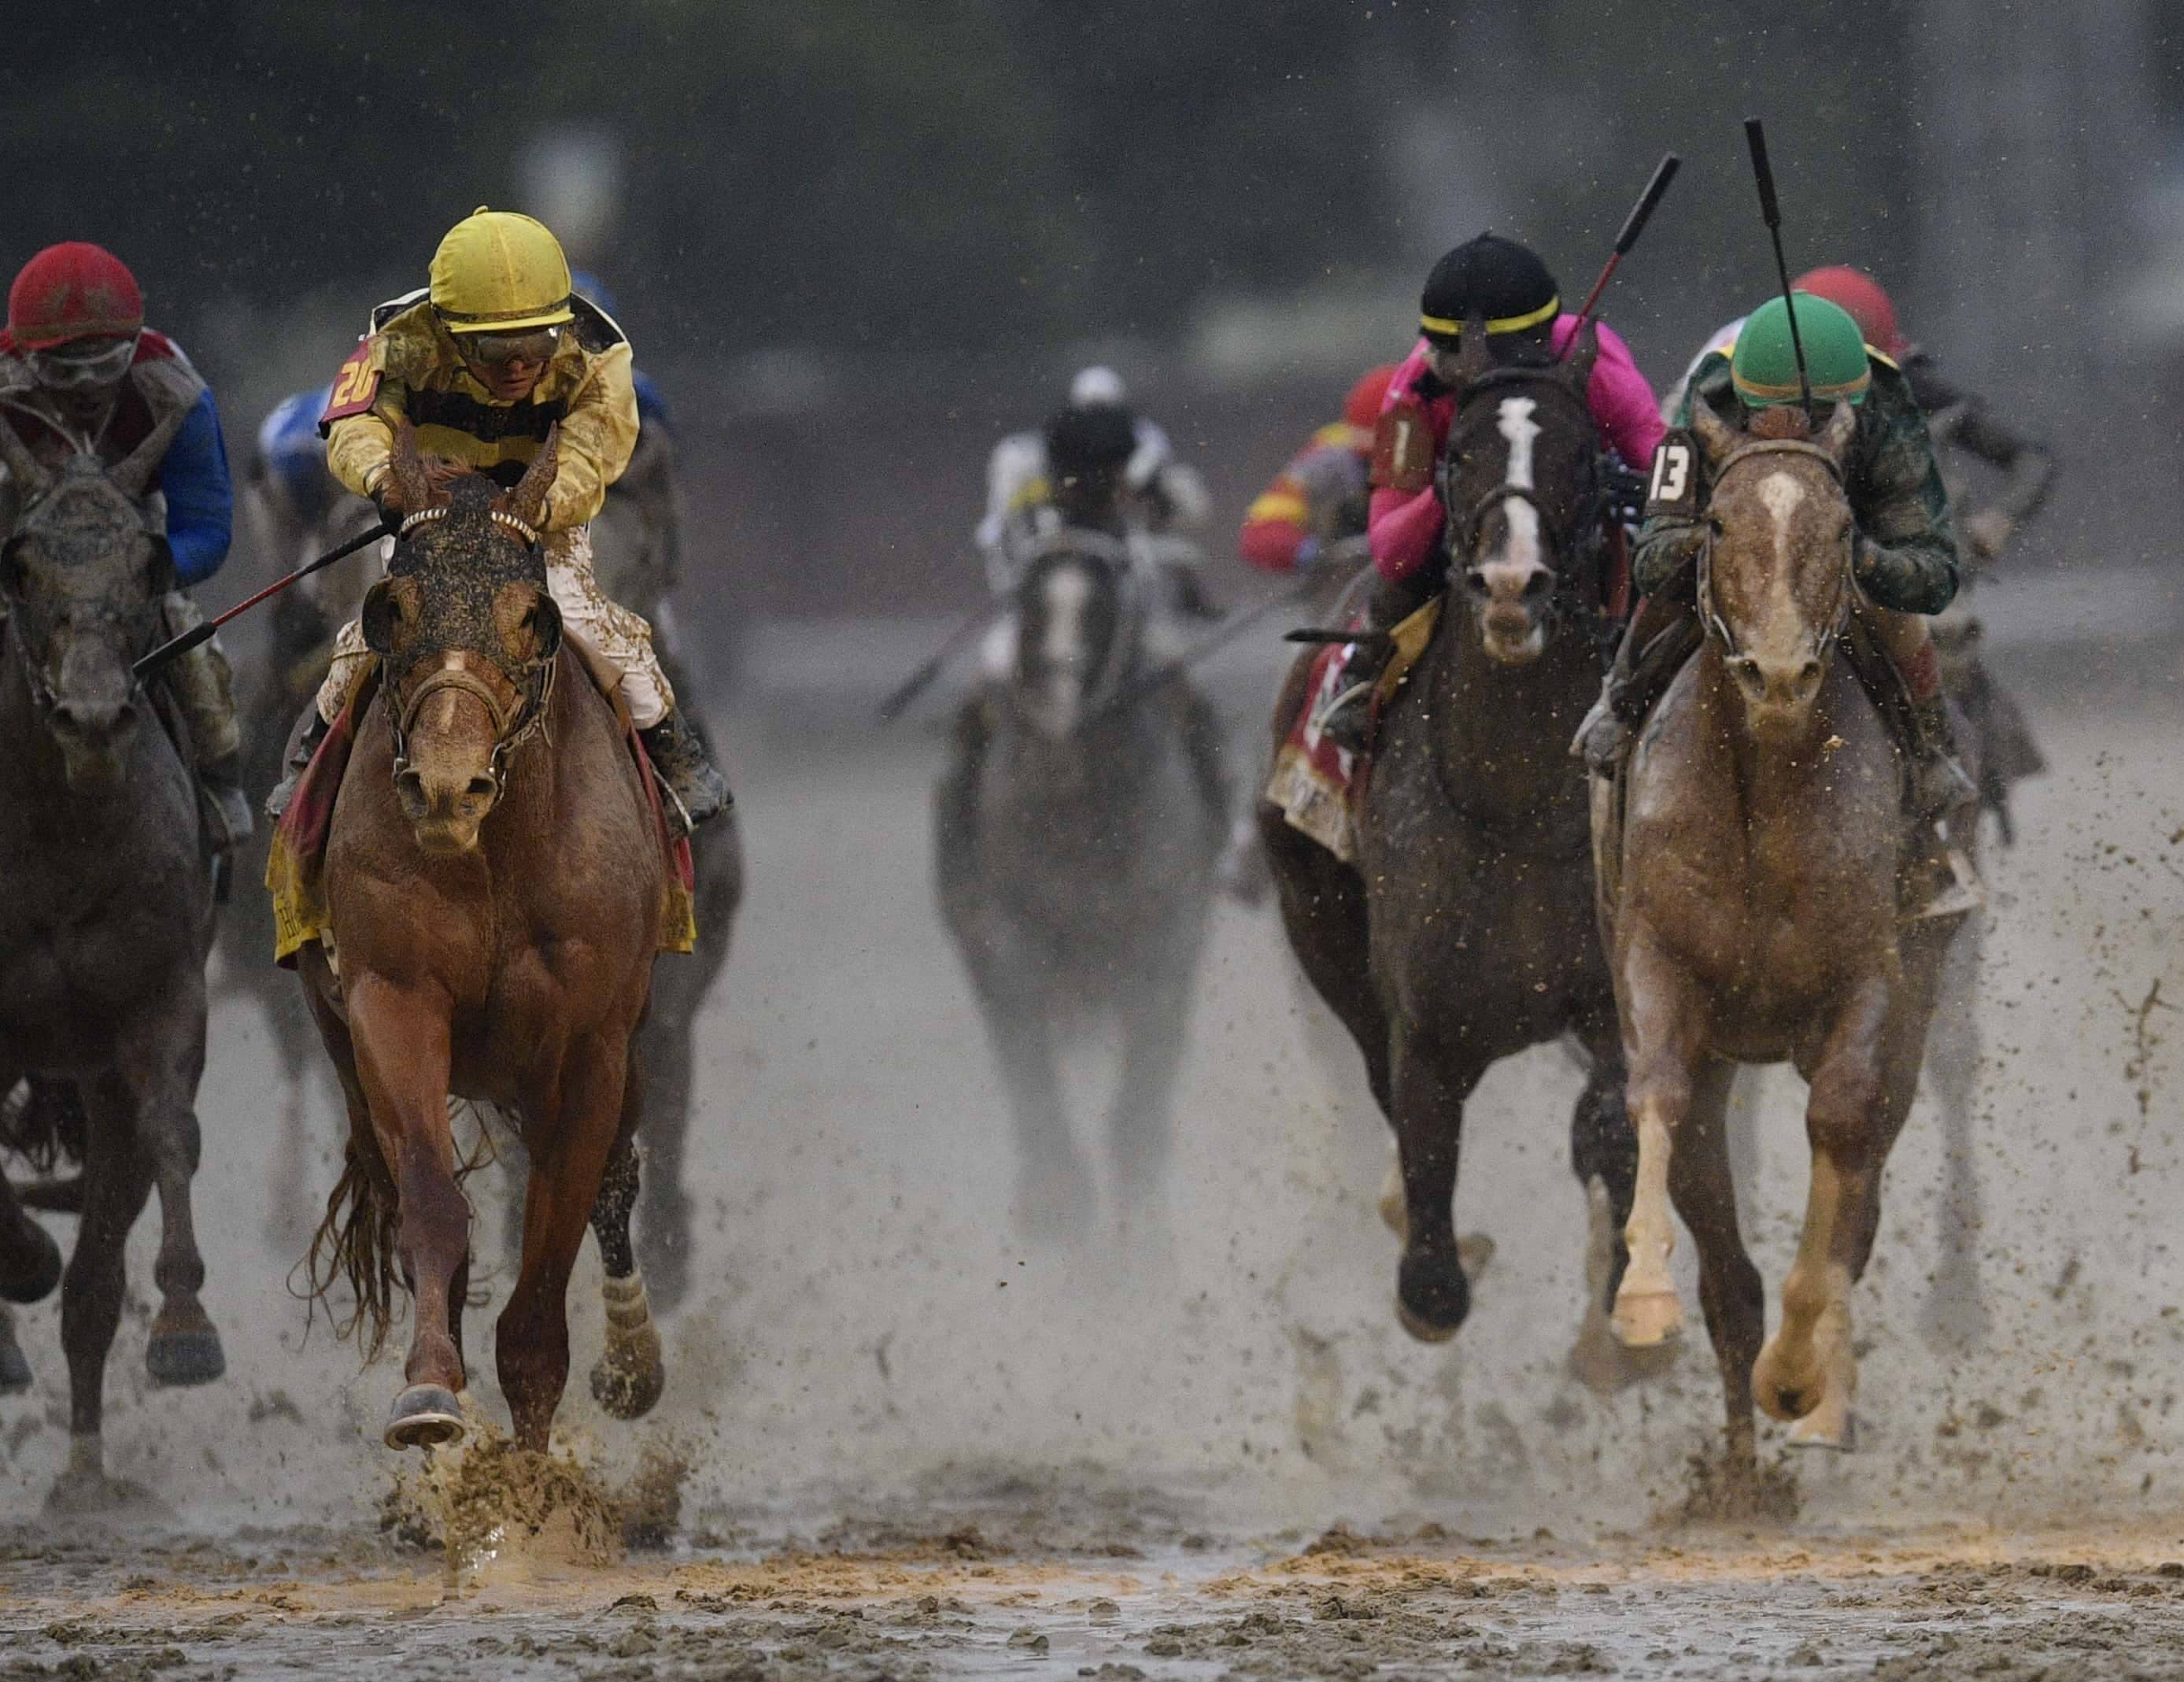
[[1523, 548], [1068, 593], [1518, 426], [1782, 495]]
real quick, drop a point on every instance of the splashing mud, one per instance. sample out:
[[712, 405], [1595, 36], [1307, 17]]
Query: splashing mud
[[494, 1507]]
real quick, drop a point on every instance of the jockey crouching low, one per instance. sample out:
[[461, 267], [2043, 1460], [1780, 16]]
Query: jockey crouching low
[[1507, 283], [1905, 560], [496, 353], [1315, 508], [81, 374]]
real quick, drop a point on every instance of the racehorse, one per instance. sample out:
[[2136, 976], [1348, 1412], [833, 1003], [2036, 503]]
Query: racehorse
[[495, 886], [628, 560], [1074, 855], [1465, 933], [105, 925], [1754, 902]]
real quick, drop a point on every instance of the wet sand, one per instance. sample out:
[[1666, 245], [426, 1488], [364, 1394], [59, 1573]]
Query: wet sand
[[914, 1438]]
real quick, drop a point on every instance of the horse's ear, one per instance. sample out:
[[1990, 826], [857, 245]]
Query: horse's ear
[[1583, 355], [390, 615], [528, 621], [409, 487], [528, 501], [1842, 428], [1715, 435], [1476, 358], [29, 479]]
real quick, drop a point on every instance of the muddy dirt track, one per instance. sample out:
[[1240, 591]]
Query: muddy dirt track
[[900, 1440]]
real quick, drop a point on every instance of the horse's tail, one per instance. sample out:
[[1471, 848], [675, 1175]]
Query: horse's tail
[[356, 1241]]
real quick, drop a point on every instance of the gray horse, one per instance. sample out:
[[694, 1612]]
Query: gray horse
[[105, 925], [1075, 850]]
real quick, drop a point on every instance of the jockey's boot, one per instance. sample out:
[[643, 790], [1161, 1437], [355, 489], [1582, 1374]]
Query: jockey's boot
[[1347, 720], [303, 742], [221, 779], [1661, 636], [698, 790], [1942, 796]]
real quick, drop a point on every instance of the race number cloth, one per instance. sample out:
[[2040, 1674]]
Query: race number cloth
[[294, 863]]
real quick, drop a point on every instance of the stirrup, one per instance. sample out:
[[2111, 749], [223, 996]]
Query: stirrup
[[1347, 720], [1961, 894]]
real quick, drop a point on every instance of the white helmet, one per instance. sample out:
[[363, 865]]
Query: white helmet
[[1096, 385]]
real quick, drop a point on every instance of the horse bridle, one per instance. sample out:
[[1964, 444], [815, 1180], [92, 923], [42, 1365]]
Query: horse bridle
[[1846, 595], [1114, 556], [1566, 535], [512, 725]]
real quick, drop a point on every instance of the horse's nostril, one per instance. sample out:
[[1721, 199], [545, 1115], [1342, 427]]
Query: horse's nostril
[[1538, 584], [479, 787], [1475, 580], [1808, 674]]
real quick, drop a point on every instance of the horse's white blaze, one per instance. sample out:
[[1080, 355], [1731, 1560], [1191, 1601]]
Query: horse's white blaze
[[1518, 426], [1069, 593], [1782, 495], [1523, 548]]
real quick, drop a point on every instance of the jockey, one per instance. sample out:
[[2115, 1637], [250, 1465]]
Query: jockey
[[1317, 503], [496, 352], [81, 374], [1906, 557], [1525, 324], [1160, 496], [1955, 418]]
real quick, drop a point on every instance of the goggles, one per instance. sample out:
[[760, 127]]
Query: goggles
[[497, 350], [82, 364]]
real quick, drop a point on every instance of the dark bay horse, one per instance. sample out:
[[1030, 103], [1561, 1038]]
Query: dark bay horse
[[1075, 855], [1756, 919], [1465, 933], [495, 888], [105, 923]]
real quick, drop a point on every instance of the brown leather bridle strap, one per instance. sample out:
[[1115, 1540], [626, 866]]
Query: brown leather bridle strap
[[511, 724]]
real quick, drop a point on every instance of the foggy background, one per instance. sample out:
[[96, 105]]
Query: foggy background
[[854, 243]]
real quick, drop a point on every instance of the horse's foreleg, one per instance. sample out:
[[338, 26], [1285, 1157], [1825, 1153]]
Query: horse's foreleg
[[1662, 1036], [571, 1138], [400, 1038], [1808, 1372], [631, 1373], [158, 1085], [117, 1180], [1431, 1082], [1732, 1296]]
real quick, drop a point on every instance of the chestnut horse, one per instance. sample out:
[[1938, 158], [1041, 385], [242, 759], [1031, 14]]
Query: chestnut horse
[[1465, 933], [494, 884], [1754, 912]]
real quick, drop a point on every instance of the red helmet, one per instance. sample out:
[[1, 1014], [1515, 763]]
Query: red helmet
[[1859, 296], [73, 291], [1362, 407]]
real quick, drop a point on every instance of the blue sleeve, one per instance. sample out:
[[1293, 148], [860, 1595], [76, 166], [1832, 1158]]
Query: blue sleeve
[[651, 404], [200, 494]]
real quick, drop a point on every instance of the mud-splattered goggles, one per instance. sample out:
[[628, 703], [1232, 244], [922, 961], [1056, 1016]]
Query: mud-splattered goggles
[[497, 350], [82, 364]]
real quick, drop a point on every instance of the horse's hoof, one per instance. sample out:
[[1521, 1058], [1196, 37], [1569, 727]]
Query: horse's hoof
[[14, 1371], [424, 1416], [1646, 1319], [84, 1494], [1432, 1295], [1830, 1425], [185, 1357], [625, 1394], [29, 1265]]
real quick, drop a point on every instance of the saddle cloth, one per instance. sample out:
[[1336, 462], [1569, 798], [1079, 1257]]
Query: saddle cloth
[[1318, 786], [294, 862]]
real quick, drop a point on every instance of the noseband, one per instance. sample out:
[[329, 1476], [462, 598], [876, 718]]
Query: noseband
[[1716, 627]]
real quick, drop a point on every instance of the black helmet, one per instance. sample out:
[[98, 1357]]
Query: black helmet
[[1091, 438], [1492, 276]]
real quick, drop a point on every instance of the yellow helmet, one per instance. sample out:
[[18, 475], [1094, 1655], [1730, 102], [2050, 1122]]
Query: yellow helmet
[[497, 271]]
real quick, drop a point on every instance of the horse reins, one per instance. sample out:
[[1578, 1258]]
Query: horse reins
[[512, 725], [1709, 615]]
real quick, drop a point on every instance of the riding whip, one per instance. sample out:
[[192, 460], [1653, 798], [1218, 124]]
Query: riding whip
[[1633, 225], [916, 683], [176, 646], [1756, 137]]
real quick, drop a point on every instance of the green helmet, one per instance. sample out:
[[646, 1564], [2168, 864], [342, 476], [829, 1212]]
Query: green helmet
[[1765, 366]]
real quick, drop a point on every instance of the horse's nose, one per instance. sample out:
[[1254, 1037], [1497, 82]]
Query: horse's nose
[[440, 796], [1523, 581], [1787, 684], [94, 720]]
